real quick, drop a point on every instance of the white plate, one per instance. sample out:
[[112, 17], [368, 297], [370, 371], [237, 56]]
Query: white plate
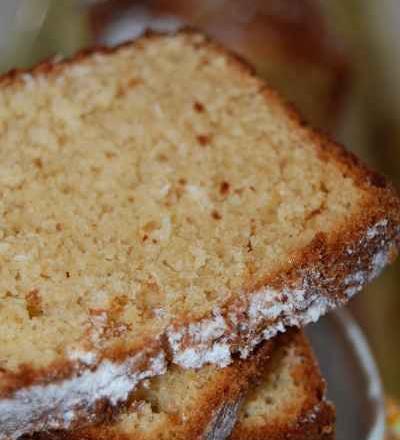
[[353, 380]]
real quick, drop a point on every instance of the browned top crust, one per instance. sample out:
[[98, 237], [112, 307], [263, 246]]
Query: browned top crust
[[328, 271], [226, 387]]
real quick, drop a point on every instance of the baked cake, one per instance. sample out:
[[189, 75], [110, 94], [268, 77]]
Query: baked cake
[[287, 400], [160, 204], [182, 403]]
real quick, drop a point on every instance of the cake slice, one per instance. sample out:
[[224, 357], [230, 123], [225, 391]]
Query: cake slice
[[182, 403], [160, 204], [287, 401]]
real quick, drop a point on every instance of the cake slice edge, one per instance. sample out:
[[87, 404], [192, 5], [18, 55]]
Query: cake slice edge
[[326, 274]]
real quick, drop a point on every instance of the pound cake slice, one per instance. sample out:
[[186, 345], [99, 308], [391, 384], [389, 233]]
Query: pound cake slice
[[160, 204], [286, 402], [183, 403], [289, 402]]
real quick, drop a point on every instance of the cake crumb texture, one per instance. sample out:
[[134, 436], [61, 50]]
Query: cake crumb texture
[[133, 183], [289, 401], [277, 394], [182, 404], [148, 189]]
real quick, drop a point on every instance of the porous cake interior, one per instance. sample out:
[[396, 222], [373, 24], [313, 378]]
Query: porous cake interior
[[288, 383], [162, 404], [147, 184]]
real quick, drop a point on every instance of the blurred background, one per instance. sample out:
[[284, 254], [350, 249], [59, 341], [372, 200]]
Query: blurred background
[[337, 61]]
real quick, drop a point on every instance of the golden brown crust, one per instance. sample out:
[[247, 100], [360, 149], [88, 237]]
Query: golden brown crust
[[325, 264], [347, 250], [312, 418], [226, 387]]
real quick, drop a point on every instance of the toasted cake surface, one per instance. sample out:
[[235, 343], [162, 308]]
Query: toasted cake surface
[[156, 199]]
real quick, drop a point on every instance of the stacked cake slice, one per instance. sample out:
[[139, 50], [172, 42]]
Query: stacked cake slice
[[162, 209], [278, 393]]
